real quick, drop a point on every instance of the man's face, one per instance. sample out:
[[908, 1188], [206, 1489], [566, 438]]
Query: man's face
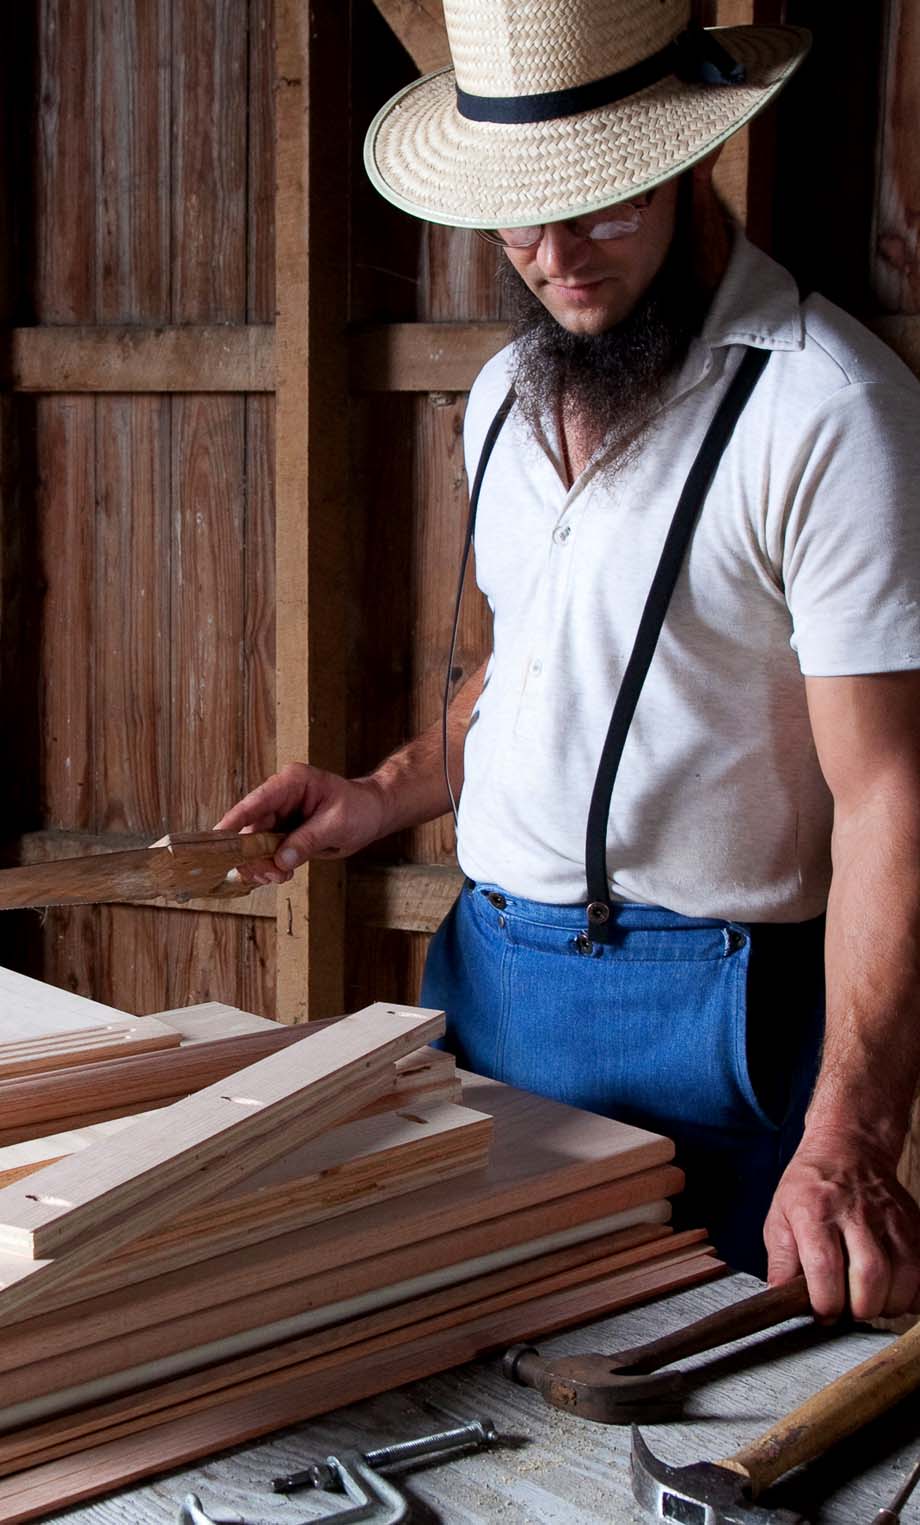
[[591, 285]]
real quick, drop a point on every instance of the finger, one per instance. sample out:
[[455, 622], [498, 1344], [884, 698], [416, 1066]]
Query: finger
[[824, 1266], [904, 1290], [307, 842], [783, 1261], [868, 1271]]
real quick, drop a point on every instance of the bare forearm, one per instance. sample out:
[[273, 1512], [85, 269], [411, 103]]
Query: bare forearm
[[411, 782], [872, 1047]]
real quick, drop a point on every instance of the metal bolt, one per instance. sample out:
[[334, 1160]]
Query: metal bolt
[[479, 1432]]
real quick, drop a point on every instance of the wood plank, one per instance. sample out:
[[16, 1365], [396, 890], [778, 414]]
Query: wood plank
[[71, 1100], [191, 358], [143, 1035], [132, 169], [36, 1391], [353, 1166], [902, 332], [422, 357], [419, 25], [311, 469], [380, 1282], [413, 897], [90, 1206], [32, 1008], [177, 865], [576, 1168], [206, 1423]]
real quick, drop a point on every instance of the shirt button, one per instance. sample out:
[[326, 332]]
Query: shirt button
[[536, 666], [562, 534]]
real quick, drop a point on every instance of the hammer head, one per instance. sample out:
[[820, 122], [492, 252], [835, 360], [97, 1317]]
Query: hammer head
[[593, 1387], [702, 1494]]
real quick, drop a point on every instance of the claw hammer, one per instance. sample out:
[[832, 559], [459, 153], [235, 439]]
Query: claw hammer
[[726, 1492], [617, 1388]]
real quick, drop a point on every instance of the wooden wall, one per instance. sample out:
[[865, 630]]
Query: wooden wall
[[138, 553], [167, 359]]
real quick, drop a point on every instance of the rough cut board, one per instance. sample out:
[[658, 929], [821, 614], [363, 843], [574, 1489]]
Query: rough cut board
[[33, 1392], [89, 1207], [32, 1009], [137, 1035], [194, 1424], [178, 867], [557, 1164]]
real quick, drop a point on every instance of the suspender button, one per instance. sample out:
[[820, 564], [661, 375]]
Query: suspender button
[[598, 913]]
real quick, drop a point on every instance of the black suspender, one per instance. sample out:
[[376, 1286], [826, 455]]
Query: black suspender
[[673, 552]]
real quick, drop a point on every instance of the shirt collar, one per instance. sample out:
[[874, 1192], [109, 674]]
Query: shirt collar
[[756, 304]]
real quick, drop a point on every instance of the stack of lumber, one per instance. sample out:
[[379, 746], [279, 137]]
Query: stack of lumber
[[212, 1226]]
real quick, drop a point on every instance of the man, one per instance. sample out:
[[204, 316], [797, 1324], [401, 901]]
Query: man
[[771, 768]]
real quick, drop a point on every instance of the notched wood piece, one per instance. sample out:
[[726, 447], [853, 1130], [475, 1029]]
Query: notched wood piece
[[82, 1208], [61, 1050], [180, 866]]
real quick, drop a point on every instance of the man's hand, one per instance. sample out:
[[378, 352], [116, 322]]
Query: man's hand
[[326, 817], [842, 1218]]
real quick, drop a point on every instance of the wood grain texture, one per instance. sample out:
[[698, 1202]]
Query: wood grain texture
[[133, 162], [32, 1008], [329, 1075], [895, 265], [419, 25], [258, 1405], [379, 1283], [185, 862], [312, 170], [575, 1167], [388, 1314], [422, 357], [61, 1051], [122, 359]]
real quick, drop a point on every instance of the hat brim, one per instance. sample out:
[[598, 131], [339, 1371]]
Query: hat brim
[[429, 160]]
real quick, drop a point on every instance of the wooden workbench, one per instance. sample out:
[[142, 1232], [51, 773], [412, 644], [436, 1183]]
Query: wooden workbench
[[553, 1470]]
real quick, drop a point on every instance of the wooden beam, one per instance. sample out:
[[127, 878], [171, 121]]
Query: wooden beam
[[312, 158], [419, 25], [407, 897], [412, 897], [422, 357], [213, 358]]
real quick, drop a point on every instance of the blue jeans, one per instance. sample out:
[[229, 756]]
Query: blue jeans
[[707, 1031]]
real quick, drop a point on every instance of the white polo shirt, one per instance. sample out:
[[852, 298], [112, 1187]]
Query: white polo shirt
[[805, 560]]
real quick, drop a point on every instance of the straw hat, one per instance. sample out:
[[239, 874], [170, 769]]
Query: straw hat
[[558, 107]]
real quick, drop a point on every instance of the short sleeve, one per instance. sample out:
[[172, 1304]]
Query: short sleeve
[[851, 547]]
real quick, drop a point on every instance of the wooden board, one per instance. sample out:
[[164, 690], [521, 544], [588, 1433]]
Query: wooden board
[[551, 1168], [63, 1050], [429, 1075], [30, 1009], [82, 1210], [195, 1424], [190, 863], [58, 1386]]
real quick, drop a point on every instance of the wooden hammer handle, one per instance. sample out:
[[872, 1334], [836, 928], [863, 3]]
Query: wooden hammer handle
[[836, 1411], [751, 1314]]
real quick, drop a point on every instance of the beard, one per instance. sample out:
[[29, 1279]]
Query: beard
[[609, 384]]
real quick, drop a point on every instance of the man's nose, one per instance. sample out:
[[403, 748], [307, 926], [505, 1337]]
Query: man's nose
[[561, 251]]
